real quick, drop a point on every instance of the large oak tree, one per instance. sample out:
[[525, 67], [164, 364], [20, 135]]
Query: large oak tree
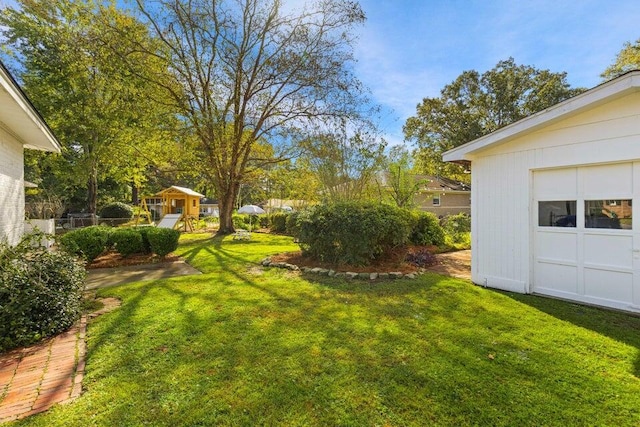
[[246, 71], [476, 104]]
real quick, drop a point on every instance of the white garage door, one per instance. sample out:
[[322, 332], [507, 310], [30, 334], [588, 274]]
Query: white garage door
[[586, 234]]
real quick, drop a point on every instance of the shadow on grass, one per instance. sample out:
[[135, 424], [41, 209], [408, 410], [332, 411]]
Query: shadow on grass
[[622, 327]]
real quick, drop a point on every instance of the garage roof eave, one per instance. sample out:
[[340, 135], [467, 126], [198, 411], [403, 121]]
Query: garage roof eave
[[620, 86]]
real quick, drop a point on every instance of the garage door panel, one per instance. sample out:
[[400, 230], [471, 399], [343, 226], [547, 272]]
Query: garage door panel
[[558, 277], [602, 249], [609, 285], [557, 246], [549, 182], [608, 180]]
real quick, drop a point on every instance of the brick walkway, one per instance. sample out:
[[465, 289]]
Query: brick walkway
[[35, 378]]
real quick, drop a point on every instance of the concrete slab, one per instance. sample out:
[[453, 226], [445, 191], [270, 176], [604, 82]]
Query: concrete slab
[[104, 277]]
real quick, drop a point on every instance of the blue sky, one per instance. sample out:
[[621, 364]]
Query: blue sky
[[410, 49]]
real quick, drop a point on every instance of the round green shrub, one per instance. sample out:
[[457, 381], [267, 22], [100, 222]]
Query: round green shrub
[[127, 241], [88, 242], [292, 227], [351, 232], [264, 221], [117, 210], [40, 292], [426, 230], [278, 222], [163, 240]]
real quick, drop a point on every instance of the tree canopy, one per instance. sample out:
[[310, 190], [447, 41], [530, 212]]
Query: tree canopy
[[476, 104], [108, 118], [628, 59]]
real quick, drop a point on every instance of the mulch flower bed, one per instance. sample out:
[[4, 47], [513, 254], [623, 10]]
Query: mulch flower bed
[[114, 259]]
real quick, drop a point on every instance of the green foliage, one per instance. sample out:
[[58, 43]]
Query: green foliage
[[127, 241], [117, 210], [352, 232], [264, 221], [163, 241], [241, 221], [426, 230], [457, 227], [278, 222], [88, 242], [476, 104], [628, 59], [40, 292], [292, 226], [144, 233]]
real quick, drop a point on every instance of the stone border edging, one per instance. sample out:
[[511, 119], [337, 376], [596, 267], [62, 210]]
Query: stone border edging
[[338, 274]]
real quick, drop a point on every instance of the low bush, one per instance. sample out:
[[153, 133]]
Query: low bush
[[278, 222], [351, 232], [421, 258], [146, 246], [163, 241], [426, 230], [264, 221], [240, 221], [457, 227], [87, 242], [40, 292], [117, 210], [127, 241], [292, 228]]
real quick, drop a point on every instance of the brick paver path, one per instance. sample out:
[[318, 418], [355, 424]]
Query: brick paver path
[[35, 378]]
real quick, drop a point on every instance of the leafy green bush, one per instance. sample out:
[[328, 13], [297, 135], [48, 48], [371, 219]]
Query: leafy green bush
[[117, 210], [240, 221], [88, 242], [426, 230], [457, 227], [40, 292], [163, 240], [278, 222], [127, 241], [146, 246], [292, 227], [352, 233], [264, 221]]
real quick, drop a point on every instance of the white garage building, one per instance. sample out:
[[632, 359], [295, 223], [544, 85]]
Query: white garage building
[[556, 199]]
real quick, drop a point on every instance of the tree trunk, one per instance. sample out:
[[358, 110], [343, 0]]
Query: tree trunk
[[92, 195], [226, 214], [134, 194]]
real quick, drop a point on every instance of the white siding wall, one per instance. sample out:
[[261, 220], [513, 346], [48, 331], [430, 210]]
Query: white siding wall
[[501, 182], [11, 188]]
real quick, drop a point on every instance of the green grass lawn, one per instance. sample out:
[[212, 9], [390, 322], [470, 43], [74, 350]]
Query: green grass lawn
[[240, 345]]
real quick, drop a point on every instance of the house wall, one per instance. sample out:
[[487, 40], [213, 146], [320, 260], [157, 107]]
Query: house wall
[[11, 188], [502, 183], [450, 203]]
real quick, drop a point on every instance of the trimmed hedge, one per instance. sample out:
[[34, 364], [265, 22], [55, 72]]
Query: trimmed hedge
[[163, 240], [40, 292], [426, 230], [117, 210], [292, 227], [88, 242], [278, 222], [127, 241], [351, 232]]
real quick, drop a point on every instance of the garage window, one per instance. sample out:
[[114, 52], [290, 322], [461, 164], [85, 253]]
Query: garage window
[[557, 213], [608, 214]]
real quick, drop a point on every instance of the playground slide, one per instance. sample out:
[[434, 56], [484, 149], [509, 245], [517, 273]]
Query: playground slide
[[169, 220]]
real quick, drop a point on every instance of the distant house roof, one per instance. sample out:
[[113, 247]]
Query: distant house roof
[[175, 189], [437, 183], [608, 91], [20, 118]]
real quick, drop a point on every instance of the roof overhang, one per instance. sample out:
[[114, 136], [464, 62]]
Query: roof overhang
[[20, 119], [606, 92], [175, 190]]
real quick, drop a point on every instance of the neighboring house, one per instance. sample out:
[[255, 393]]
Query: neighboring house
[[21, 127], [442, 196], [555, 199], [209, 207], [274, 205]]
